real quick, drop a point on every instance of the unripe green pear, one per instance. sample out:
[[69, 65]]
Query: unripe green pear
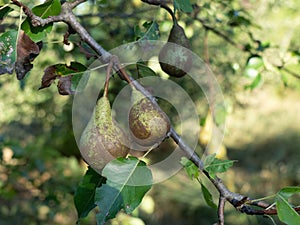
[[102, 140], [172, 57], [148, 124]]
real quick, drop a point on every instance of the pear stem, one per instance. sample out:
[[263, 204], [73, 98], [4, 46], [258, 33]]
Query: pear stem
[[167, 8], [108, 71], [136, 85], [125, 75]]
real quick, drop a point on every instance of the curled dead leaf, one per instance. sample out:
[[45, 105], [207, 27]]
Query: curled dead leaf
[[27, 51], [64, 85], [64, 73], [48, 77]]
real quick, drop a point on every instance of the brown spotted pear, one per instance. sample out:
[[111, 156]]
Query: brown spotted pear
[[148, 124], [102, 140]]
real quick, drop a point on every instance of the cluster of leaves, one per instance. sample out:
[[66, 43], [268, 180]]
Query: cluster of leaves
[[20, 48], [68, 75], [124, 182], [17, 58], [213, 165], [122, 186]]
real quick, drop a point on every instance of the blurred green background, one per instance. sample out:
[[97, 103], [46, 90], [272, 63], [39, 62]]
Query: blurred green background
[[40, 163]]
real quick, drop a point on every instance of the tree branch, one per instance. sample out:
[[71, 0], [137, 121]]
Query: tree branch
[[71, 19], [290, 72], [36, 20], [191, 154], [76, 3], [221, 207]]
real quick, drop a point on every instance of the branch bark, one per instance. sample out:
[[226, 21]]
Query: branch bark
[[221, 207]]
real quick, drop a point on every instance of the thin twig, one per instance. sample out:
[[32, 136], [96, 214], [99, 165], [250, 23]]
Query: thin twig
[[221, 207], [76, 3], [36, 20], [290, 72], [71, 19], [191, 154], [108, 74]]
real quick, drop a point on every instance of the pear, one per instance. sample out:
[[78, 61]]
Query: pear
[[148, 124], [102, 140], [175, 60]]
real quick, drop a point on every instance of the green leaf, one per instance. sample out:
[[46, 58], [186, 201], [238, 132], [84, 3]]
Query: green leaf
[[127, 182], [190, 168], [4, 11], [285, 211], [183, 5], [49, 8], [144, 70], [287, 192], [85, 192], [263, 45], [79, 77], [214, 165], [109, 201], [151, 33], [131, 177], [209, 159], [75, 67], [236, 18], [8, 52], [4, 3], [208, 197]]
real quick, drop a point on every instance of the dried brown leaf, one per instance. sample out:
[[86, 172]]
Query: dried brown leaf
[[27, 51], [64, 85], [48, 77], [64, 73]]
